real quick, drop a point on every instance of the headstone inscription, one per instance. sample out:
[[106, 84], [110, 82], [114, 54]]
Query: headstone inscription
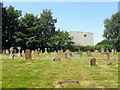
[[27, 54]]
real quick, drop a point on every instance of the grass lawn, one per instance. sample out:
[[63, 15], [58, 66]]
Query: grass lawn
[[45, 73]]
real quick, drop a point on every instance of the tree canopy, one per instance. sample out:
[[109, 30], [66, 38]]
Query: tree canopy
[[112, 30]]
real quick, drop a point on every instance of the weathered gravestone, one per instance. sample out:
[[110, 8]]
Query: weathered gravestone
[[11, 53], [23, 52], [108, 58], [14, 50], [67, 54], [56, 59], [3, 52], [36, 52], [45, 50], [96, 52], [102, 50], [19, 54], [27, 54], [88, 53], [113, 51], [7, 51], [33, 51], [93, 61]]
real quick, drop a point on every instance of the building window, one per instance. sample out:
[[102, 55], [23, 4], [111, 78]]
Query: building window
[[85, 35]]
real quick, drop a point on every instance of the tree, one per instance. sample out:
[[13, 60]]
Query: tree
[[61, 40], [10, 24], [112, 30]]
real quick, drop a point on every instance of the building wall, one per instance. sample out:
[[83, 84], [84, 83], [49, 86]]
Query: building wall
[[82, 38]]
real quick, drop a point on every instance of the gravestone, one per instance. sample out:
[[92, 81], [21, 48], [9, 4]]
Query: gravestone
[[11, 53], [102, 50], [68, 82], [36, 52], [27, 54], [7, 51], [19, 54], [56, 59], [23, 52], [77, 55], [14, 50], [96, 52], [88, 53], [115, 51], [54, 52], [108, 58], [3, 52], [33, 51], [67, 54], [45, 50], [93, 61]]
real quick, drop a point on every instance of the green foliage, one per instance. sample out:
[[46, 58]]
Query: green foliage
[[10, 25], [112, 30]]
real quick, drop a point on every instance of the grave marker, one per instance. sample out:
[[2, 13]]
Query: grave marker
[[27, 54]]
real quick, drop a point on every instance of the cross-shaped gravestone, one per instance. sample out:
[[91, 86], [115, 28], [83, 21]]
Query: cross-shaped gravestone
[[27, 54], [19, 54], [11, 53]]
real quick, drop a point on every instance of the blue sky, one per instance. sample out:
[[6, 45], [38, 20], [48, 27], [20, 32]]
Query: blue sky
[[73, 16]]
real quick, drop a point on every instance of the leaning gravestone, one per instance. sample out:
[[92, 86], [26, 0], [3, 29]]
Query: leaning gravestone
[[93, 61], [19, 54], [11, 53], [27, 54]]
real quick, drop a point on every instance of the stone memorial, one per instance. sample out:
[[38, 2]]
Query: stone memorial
[[27, 54], [113, 51], [93, 61], [23, 52], [19, 54], [96, 52], [108, 58], [45, 50], [33, 51], [3, 51], [11, 53], [102, 50], [88, 53], [56, 59], [7, 51], [36, 52]]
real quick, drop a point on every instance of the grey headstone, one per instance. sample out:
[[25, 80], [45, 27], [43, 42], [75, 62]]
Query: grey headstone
[[27, 54]]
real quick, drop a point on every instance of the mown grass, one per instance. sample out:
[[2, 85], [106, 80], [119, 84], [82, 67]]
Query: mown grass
[[45, 73]]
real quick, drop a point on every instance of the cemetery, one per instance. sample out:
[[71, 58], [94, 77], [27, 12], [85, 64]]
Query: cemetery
[[34, 69], [36, 53]]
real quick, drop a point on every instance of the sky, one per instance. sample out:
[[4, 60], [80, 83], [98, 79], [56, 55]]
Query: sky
[[73, 16]]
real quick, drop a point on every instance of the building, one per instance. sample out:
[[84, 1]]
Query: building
[[82, 38]]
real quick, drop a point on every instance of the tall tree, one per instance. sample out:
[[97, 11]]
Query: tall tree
[[10, 24], [47, 27], [112, 30]]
